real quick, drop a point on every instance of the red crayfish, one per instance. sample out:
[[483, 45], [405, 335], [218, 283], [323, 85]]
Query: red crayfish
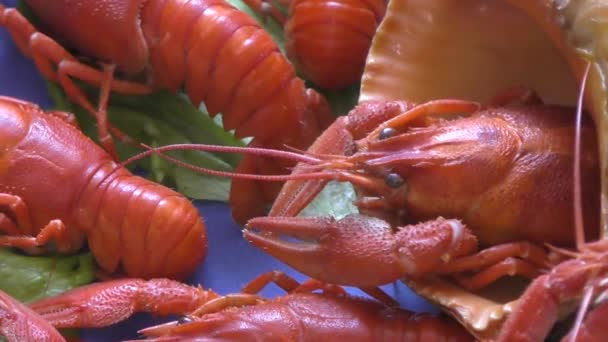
[[327, 40], [501, 174], [246, 316], [59, 189], [503, 170]]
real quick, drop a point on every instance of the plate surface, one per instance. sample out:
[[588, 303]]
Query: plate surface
[[231, 261]]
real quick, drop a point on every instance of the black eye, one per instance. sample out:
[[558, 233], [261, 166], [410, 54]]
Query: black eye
[[393, 180], [386, 132], [184, 320]]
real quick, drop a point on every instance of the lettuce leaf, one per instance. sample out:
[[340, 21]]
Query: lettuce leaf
[[29, 278], [160, 119]]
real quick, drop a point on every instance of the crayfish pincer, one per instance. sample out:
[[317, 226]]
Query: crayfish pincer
[[500, 174], [59, 189]]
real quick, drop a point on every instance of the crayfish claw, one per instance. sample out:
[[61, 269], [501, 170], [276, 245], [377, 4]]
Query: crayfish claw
[[356, 250], [274, 234], [304, 228]]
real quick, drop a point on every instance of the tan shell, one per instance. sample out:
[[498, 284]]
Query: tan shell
[[472, 49]]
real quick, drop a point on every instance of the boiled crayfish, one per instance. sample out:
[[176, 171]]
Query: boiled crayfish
[[58, 190], [246, 316], [502, 174]]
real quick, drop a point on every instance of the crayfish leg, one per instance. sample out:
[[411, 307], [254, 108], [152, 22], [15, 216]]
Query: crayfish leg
[[54, 230], [281, 279], [106, 303], [57, 64], [290, 285], [509, 259], [21, 234], [508, 267], [20, 323], [19, 211], [228, 301], [534, 316]]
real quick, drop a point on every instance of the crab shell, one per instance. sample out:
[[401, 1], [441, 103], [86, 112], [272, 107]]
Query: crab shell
[[473, 49]]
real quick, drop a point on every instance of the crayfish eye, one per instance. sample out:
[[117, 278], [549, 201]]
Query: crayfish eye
[[184, 320], [394, 180], [386, 132]]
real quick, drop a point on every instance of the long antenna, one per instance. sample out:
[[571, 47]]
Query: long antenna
[[262, 152], [578, 196]]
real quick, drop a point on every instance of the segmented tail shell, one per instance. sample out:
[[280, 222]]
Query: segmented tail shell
[[140, 227], [225, 58], [328, 41]]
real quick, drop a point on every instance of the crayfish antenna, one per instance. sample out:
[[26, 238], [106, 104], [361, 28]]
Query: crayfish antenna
[[322, 167], [578, 197], [160, 151], [578, 204], [262, 152]]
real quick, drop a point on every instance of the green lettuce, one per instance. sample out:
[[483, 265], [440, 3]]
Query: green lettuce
[[29, 278]]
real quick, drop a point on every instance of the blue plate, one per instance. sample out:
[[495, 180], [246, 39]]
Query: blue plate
[[231, 262]]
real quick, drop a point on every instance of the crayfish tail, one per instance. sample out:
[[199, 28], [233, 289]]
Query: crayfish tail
[[147, 229]]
